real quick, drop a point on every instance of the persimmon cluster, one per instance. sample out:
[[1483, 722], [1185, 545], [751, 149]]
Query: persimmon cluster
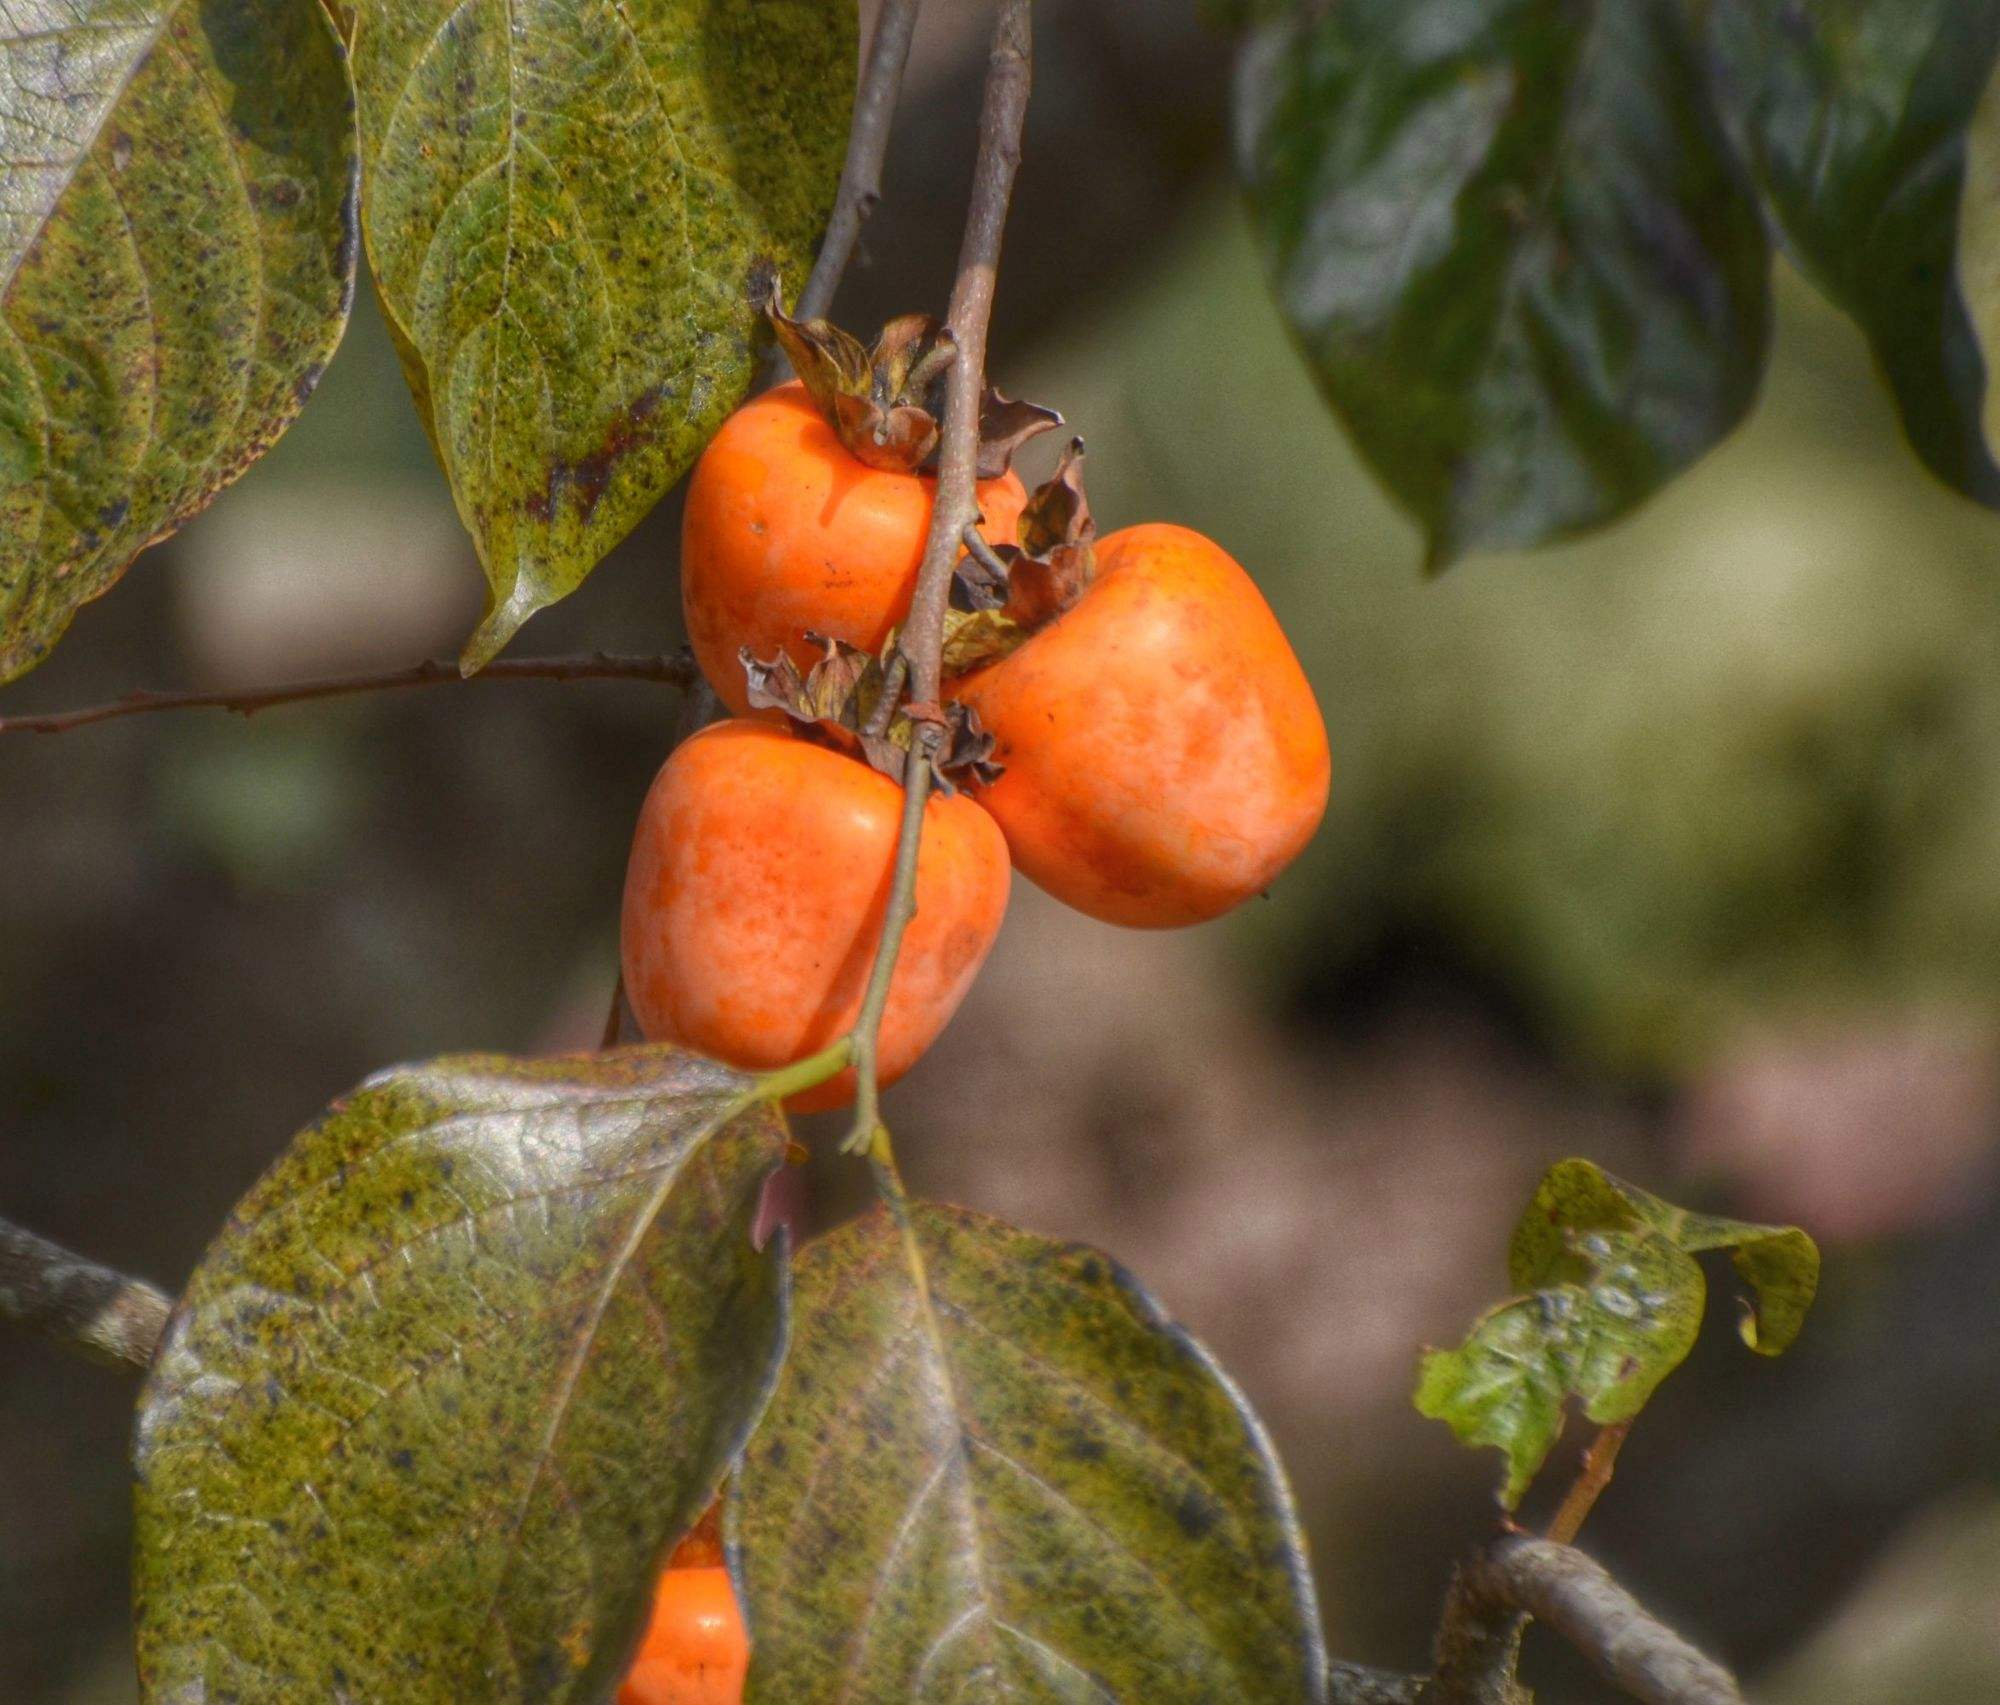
[[1123, 720]]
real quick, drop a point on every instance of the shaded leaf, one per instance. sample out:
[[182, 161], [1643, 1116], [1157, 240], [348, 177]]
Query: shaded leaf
[[992, 1469], [573, 212], [1614, 1303], [1853, 115], [457, 1372], [1513, 244], [176, 263]]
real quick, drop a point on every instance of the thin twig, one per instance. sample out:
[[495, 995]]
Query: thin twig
[[1598, 1462], [1009, 72], [1003, 113], [1519, 1576], [982, 553], [107, 1316], [867, 144], [676, 669]]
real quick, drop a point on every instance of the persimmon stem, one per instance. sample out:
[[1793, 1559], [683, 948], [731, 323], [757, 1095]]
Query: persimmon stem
[[71, 1301], [902, 906], [808, 1073], [1598, 1463], [955, 507], [867, 145], [675, 669]]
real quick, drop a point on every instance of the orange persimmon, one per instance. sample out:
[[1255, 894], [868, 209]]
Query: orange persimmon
[[1164, 757], [695, 1651], [787, 533], [754, 900]]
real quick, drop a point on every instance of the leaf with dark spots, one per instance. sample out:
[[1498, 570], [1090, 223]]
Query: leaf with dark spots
[[993, 1470], [177, 253], [452, 1380], [1515, 248], [572, 212]]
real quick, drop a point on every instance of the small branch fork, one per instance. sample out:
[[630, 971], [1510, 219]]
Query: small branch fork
[[1493, 1596], [73, 1302], [675, 669]]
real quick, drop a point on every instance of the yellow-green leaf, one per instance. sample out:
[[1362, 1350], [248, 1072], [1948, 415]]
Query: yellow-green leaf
[[459, 1369], [565, 202], [176, 262], [993, 1470]]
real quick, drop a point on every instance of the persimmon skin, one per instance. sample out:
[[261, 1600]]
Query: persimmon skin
[[1165, 757], [786, 534], [695, 1651], [754, 900]]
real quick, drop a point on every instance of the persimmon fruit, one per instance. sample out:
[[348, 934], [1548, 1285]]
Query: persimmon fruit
[[787, 532], [754, 900], [1163, 754], [695, 1651]]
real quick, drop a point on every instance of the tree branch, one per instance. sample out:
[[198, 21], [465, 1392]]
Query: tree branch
[[1518, 1577], [867, 144], [106, 1316], [955, 506], [1009, 74], [674, 670]]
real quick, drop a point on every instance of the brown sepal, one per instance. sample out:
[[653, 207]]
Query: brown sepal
[[885, 403], [1005, 424], [877, 400], [1047, 573], [837, 700]]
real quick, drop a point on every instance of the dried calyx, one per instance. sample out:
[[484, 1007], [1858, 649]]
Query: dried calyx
[[885, 403], [1043, 575], [840, 703]]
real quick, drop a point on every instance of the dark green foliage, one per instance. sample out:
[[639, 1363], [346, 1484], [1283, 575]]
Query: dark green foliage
[[1514, 246]]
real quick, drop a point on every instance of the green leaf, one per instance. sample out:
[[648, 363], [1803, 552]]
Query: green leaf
[[1853, 114], [1614, 1303], [456, 1373], [1607, 1336], [993, 1469], [1779, 1263], [1514, 247], [565, 205], [176, 263]]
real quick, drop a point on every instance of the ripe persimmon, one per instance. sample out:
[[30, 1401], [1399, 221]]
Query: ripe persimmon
[[695, 1651], [1163, 755], [787, 532], [754, 900]]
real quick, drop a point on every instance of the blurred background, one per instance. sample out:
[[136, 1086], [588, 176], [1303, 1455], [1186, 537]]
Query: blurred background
[[1678, 849]]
